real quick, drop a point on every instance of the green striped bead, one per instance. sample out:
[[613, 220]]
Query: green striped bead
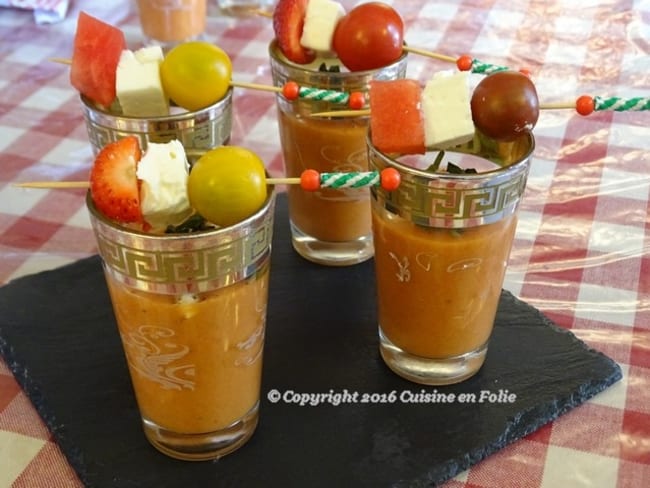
[[349, 180], [318, 94], [621, 104], [486, 68]]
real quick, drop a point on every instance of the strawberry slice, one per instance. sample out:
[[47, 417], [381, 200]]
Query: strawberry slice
[[288, 21], [113, 183]]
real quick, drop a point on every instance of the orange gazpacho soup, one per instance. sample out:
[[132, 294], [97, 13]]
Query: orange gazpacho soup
[[195, 361], [438, 289], [326, 145]]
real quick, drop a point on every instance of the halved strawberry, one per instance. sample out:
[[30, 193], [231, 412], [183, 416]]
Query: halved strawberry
[[288, 21], [113, 183]]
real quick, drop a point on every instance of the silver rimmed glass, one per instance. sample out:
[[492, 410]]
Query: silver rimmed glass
[[442, 243], [328, 226], [191, 313], [198, 130]]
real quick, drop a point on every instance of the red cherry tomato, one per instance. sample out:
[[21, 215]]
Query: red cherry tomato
[[505, 105], [369, 36]]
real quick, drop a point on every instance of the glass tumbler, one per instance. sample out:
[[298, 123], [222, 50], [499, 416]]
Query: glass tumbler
[[171, 22], [442, 242], [328, 226], [191, 313]]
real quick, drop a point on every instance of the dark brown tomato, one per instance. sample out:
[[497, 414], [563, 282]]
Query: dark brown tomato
[[505, 105]]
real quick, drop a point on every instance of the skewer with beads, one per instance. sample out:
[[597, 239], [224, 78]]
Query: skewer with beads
[[309, 180]]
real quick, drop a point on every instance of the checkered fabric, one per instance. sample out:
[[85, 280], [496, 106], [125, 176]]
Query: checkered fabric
[[580, 253]]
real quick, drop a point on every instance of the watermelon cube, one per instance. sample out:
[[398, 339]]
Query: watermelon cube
[[96, 53], [396, 120]]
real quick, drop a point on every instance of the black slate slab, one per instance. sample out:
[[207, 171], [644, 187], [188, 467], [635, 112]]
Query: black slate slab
[[58, 336]]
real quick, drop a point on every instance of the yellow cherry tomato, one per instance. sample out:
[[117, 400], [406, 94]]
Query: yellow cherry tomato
[[227, 184], [196, 74]]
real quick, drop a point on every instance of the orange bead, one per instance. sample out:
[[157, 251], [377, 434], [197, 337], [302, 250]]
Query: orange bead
[[357, 100], [291, 90], [390, 179], [310, 180], [464, 62], [585, 105]]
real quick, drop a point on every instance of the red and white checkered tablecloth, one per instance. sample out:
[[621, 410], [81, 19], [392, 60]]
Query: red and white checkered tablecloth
[[581, 252]]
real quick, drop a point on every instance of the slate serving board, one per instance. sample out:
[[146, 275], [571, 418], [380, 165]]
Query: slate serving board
[[57, 334]]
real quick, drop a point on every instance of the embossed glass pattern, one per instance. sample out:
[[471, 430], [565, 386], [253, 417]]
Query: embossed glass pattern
[[180, 263], [457, 200], [199, 130]]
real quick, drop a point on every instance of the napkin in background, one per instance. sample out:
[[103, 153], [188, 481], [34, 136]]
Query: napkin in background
[[45, 11]]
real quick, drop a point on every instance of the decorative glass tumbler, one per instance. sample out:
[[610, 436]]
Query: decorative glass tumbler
[[170, 22], [328, 226], [191, 313], [442, 242]]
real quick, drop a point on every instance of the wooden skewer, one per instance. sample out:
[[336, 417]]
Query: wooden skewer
[[342, 113], [53, 184], [240, 84], [261, 12], [429, 54], [256, 86], [86, 184], [61, 61], [557, 105], [283, 181], [362, 112]]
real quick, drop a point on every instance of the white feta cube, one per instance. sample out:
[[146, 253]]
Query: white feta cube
[[447, 110], [138, 85], [321, 18]]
